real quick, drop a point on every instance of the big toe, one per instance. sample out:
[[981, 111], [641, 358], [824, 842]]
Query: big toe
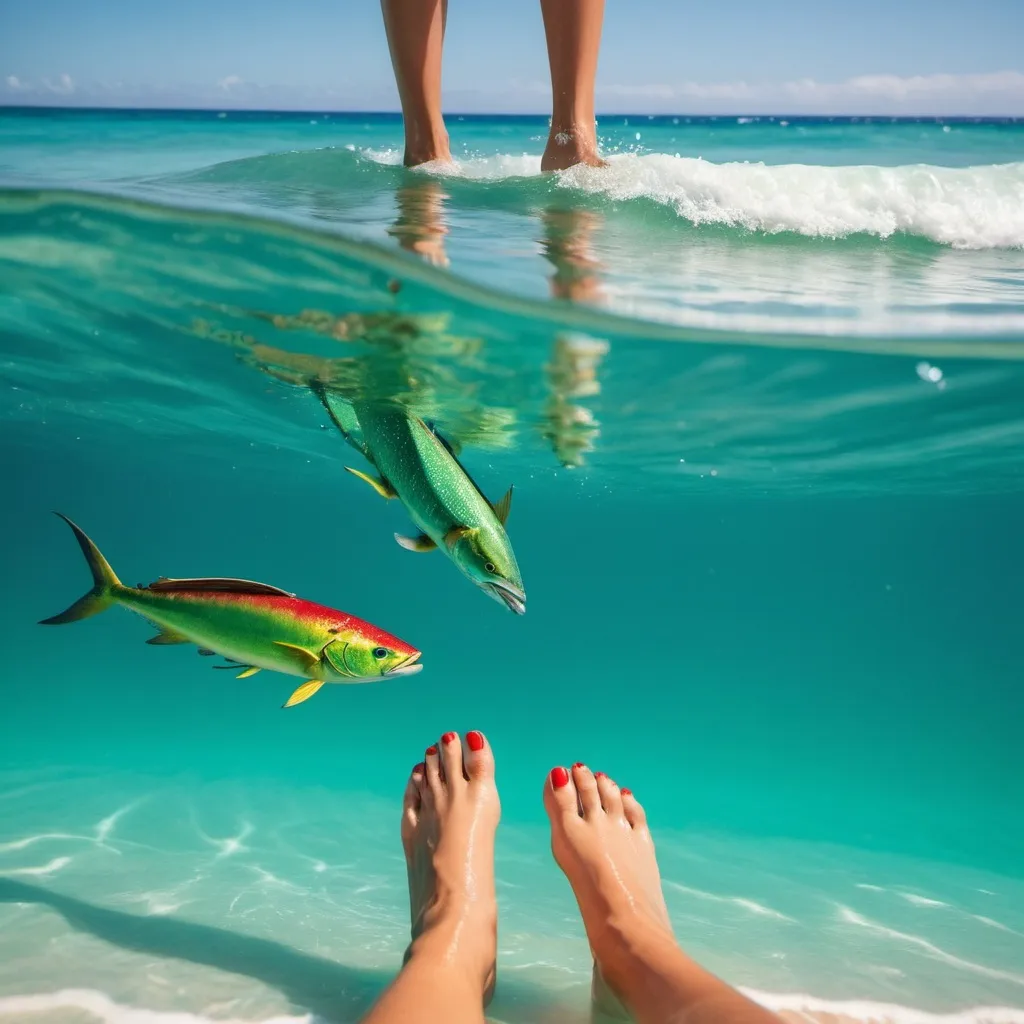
[[560, 798], [478, 760], [412, 803]]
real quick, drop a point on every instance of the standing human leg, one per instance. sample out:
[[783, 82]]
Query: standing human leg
[[573, 31], [415, 30]]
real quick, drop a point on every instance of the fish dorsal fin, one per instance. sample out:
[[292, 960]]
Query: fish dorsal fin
[[453, 448], [452, 451], [503, 507], [217, 584]]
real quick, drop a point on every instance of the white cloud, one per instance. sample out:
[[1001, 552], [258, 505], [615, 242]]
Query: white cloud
[[994, 94], [639, 91], [64, 86], [999, 93]]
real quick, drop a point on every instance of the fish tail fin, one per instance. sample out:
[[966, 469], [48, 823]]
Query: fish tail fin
[[105, 583]]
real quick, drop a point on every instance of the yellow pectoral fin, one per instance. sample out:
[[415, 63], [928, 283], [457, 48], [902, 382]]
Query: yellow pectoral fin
[[303, 692], [251, 671], [420, 543], [381, 486], [309, 660], [452, 537]]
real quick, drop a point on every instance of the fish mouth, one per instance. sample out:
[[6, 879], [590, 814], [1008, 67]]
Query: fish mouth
[[409, 667], [511, 596]]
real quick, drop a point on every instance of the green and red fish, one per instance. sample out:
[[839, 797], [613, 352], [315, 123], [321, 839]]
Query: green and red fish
[[253, 625], [419, 468]]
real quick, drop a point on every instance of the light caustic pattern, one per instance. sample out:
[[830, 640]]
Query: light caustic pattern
[[139, 908]]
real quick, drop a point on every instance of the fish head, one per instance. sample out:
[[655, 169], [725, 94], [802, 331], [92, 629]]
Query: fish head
[[371, 656], [489, 562]]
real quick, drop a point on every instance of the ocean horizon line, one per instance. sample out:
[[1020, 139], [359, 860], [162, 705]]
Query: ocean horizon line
[[520, 117]]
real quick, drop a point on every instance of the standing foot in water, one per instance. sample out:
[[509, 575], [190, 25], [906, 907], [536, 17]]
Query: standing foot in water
[[600, 840], [571, 145], [430, 145], [449, 817]]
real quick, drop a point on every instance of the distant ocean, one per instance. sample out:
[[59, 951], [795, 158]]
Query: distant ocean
[[759, 385]]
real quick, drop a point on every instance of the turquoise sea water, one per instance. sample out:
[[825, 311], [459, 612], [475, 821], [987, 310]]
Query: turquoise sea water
[[759, 385]]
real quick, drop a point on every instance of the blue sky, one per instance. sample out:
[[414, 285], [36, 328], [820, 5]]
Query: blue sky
[[736, 56]]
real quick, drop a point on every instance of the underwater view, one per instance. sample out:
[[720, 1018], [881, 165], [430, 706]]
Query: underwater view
[[734, 432]]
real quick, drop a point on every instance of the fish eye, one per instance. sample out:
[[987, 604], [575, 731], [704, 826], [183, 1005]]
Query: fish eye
[[380, 652], [489, 566]]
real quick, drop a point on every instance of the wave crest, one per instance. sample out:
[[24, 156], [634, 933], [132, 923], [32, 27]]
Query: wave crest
[[963, 207]]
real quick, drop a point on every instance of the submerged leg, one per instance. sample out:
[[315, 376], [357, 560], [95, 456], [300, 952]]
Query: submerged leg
[[449, 817], [420, 226], [415, 30], [600, 840], [573, 30]]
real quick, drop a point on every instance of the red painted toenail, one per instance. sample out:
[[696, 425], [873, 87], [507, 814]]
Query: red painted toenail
[[579, 764], [448, 737], [417, 769], [559, 778], [432, 749], [475, 741], [627, 792], [600, 775]]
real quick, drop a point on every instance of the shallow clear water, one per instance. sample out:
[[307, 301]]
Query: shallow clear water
[[764, 422]]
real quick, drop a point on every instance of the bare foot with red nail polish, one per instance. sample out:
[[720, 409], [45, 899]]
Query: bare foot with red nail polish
[[600, 839], [449, 818]]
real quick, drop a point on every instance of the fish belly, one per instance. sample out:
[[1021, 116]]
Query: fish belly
[[231, 633]]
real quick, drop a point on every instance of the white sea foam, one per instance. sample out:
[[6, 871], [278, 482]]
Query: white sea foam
[[864, 1010], [970, 208], [965, 207], [103, 1009]]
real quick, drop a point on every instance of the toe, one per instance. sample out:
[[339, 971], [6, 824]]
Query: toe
[[586, 786], [435, 784], [611, 796], [633, 811], [412, 801], [451, 760], [414, 789], [479, 758], [560, 799]]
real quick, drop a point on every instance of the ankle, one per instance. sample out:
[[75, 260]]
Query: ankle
[[426, 139], [625, 939], [460, 934], [569, 143]]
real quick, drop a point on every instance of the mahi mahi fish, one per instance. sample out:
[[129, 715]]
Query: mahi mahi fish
[[252, 625], [417, 466]]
